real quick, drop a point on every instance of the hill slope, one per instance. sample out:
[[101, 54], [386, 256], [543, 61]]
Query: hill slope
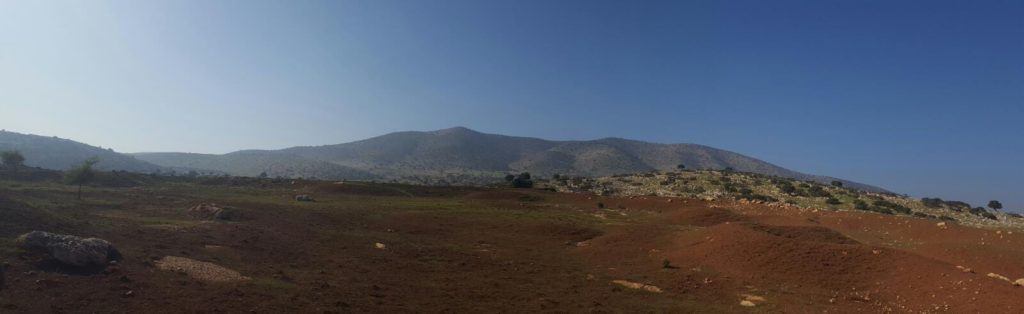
[[61, 154], [461, 155], [252, 163]]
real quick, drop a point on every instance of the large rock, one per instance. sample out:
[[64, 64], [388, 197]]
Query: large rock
[[304, 198], [69, 249], [212, 211]]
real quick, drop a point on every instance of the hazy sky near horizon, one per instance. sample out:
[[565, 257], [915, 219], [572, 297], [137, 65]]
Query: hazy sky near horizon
[[921, 97]]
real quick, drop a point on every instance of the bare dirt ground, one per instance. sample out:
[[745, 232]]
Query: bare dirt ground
[[375, 248]]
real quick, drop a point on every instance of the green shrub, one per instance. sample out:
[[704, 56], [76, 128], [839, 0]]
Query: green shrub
[[817, 191], [893, 207], [860, 205], [931, 202], [787, 188], [522, 181]]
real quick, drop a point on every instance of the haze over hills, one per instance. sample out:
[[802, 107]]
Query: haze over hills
[[255, 162], [61, 154], [461, 155]]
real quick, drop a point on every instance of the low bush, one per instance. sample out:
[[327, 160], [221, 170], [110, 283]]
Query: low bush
[[893, 207], [931, 202]]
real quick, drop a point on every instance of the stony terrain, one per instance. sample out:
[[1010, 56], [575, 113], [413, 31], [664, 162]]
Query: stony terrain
[[776, 191], [389, 248]]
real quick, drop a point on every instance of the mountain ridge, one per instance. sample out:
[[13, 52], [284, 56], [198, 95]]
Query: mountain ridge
[[56, 153], [463, 155]]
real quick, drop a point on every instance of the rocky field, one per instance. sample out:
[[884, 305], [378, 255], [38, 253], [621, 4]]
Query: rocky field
[[237, 245], [774, 191]]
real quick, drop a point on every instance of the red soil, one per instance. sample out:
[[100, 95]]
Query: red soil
[[465, 250]]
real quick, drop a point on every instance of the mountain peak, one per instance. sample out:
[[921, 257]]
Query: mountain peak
[[455, 130]]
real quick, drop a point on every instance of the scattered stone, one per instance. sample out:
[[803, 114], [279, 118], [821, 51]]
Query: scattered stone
[[753, 298], [998, 276], [747, 303], [637, 285], [212, 211], [203, 271], [69, 249], [964, 269], [1019, 282], [941, 225], [304, 198], [380, 246]]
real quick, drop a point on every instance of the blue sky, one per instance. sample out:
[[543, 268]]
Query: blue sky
[[921, 97]]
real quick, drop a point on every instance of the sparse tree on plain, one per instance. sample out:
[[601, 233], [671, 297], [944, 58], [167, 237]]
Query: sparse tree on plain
[[81, 174], [12, 159], [994, 204], [523, 180]]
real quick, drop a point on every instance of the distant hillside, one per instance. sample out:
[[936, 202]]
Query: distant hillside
[[61, 154], [253, 163], [747, 188], [461, 155]]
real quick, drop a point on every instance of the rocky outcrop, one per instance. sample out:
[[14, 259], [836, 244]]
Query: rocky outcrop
[[214, 212], [203, 271], [304, 198], [69, 249]]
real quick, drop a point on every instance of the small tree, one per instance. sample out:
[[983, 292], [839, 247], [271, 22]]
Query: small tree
[[509, 178], [522, 181], [12, 159], [837, 183], [994, 204], [81, 174], [263, 175], [681, 167]]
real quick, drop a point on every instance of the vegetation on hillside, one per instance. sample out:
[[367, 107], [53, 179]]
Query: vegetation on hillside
[[62, 154], [460, 156], [779, 191]]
